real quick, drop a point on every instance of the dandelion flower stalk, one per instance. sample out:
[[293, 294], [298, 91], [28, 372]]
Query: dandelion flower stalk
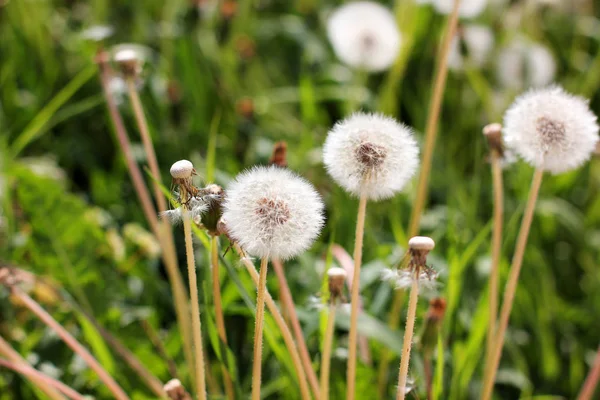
[[554, 131], [419, 247], [258, 329], [591, 381]]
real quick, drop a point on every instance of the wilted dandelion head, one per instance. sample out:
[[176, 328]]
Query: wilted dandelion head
[[371, 154], [272, 212], [551, 129], [466, 9], [182, 169], [336, 278], [493, 134], [364, 34], [130, 58]]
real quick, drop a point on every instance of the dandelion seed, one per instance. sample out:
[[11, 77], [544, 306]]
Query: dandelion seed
[[551, 129], [466, 9], [272, 212], [371, 154], [524, 64], [364, 35]]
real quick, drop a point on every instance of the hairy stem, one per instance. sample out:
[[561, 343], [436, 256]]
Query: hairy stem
[[286, 298], [591, 381], [283, 328], [496, 249], [408, 338], [353, 334], [33, 374], [511, 286], [258, 329], [70, 341], [326, 356], [220, 320], [194, 298]]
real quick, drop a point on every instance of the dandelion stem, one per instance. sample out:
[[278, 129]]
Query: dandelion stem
[[326, 356], [70, 341], [511, 286], [194, 298], [220, 320], [408, 338], [283, 328], [589, 386], [258, 329], [431, 130], [34, 374], [496, 249], [353, 335], [286, 297], [7, 351]]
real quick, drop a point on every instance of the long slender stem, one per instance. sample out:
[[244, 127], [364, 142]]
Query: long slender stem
[[591, 382], [326, 356], [496, 249], [511, 286], [194, 298], [283, 328], [70, 341], [7, 351], [286, 297], [160, 229], [431, 129], [34, 374], [408, 338], [220, 320], [352, 341], [258, 329]]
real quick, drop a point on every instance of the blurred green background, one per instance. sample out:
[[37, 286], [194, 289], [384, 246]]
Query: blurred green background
[[241, 76]]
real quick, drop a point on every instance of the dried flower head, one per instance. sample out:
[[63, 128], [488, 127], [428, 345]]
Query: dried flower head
[[493, 134], [182, 169], [176, 391], [466, 9], [478, 41], [551, 129], [524, 64], [337, 277], [272, 212], [365, 35], [371, 153], [130, 58]]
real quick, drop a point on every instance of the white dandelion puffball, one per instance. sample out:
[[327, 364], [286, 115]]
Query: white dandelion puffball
[[466, 9], [272, 212], [371, 154], [478, 41], [551, 129], [522, 64], [365, 35]]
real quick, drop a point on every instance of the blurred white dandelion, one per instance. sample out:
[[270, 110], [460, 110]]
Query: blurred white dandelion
[[97, 33], [371, 154], [525, 64], [478, 42], [466, 9], [364, 35], [551, 129]]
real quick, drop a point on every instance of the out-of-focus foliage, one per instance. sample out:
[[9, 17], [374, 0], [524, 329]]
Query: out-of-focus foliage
[[242, 76]]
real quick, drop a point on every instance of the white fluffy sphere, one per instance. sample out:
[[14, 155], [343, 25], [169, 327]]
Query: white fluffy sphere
[[364, 35], [272, 212], [479, 42], [466, 9], [523, 64], [371, 153], [551, 129]]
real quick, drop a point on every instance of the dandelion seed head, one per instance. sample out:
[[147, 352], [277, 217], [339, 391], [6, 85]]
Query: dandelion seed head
[[365, 35], [404, 278], [272, 212], [371, 153], [478, 41], [466, 9], [182, 169], [551, 129], [524, 64]]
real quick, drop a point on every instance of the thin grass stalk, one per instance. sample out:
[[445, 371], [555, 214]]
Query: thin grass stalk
[[431, 130], [511, 286], [161, 230], [408, 338], [354, 300], [194, 299], [327, 346], [33, 374], [286, 297], [160, 348], [70, 341], [220, 320], [258, 329], [591, 381], [7, 351], [496, 249], [283, 328]]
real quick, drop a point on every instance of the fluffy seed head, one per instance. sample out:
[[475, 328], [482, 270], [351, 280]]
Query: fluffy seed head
[[364, 34], [371, 153], [478, 41], [524, 64], [182, 169], [272, 212], [466, 9], [551, 129], [422, 243]]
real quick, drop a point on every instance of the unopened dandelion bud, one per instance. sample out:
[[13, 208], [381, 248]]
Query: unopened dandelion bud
[[419, 247], [279, 155], [176, 391], [129, 62], [182, 169], [337, 277]]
